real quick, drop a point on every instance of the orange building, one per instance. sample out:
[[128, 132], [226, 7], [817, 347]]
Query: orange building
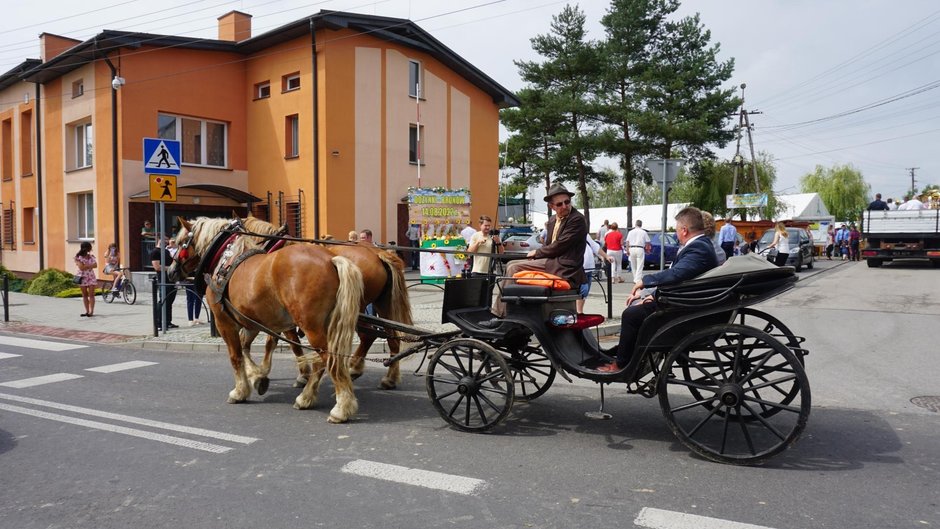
[[314, 124]]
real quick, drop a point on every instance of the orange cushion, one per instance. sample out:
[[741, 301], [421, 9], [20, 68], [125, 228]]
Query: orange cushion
[[541, 279]]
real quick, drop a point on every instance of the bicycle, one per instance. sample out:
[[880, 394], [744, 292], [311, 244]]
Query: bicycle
[[124, 288]]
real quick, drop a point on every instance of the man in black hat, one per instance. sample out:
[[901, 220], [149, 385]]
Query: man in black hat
[[563, 252]]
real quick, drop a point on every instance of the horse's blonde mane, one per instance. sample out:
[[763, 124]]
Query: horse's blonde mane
[[256, 225], [204, 230]]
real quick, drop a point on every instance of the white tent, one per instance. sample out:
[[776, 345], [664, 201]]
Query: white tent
[[652, 217], [803, 206]]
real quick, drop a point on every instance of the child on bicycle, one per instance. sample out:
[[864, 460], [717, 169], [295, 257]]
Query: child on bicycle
[[112, 259]]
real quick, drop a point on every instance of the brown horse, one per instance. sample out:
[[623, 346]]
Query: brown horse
[[384, 287], [301, 286]]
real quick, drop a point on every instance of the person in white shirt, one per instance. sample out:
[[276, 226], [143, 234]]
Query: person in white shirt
[[637, 242], [590, 251], [603, 231], [482, 242], [467, 232], [892, 205], [912, 205]]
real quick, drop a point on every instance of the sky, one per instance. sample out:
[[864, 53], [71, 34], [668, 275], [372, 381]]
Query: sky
[[836, 82]]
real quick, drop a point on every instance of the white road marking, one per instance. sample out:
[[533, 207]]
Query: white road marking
[[39, 344], [414, 476], [8, 355], [133, 432], [660, 519], [133, 420], [123, 366], [38, 381]]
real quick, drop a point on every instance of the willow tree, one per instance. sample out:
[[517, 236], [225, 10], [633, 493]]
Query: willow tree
[[841, 188]]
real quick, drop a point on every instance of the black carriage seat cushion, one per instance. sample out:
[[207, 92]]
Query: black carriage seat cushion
[[516, 289]]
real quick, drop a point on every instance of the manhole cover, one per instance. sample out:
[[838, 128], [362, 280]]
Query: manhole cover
[[930, 403]]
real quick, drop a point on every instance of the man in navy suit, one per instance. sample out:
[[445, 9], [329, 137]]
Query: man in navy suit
[[696, 257]]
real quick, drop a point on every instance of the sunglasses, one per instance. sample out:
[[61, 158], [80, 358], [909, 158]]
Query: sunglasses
[[562, 203]]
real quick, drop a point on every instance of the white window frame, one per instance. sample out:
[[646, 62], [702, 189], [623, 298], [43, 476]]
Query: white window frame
[[416, 134], [84, 216], [204, 145], [78, 88], [292, 128], [416, 86], [82, 140], [260, 87], [286, 82]]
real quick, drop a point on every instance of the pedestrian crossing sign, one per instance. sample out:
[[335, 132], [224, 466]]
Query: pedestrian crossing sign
[[162, 188], [161, 156]]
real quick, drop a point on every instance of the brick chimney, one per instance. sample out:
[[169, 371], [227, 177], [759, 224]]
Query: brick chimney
[[235, 26], [51, 46]]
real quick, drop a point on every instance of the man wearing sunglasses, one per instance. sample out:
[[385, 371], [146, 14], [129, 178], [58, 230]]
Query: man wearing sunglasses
[[563, 252]]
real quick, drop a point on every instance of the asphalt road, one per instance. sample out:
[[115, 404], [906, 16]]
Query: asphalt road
[[154, 444]]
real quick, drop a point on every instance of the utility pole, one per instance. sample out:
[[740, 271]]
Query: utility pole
[[913, 182], [744, 123]]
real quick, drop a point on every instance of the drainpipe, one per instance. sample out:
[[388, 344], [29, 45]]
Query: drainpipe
[[39, 159], [316, 132], [114, 153]]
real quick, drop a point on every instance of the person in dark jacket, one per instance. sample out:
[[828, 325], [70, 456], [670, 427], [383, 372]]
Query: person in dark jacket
[[878, 204], [695, 257], [563, 252]]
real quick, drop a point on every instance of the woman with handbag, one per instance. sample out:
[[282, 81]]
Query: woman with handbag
[[112, 260], [87, 265]]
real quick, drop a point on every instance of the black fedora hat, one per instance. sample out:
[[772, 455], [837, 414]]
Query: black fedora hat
[[557, 189]]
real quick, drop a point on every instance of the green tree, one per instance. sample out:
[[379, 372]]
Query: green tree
[[686, 108], [631, 26], [531, 149], [714, 182], [568, 77], [842, 189]]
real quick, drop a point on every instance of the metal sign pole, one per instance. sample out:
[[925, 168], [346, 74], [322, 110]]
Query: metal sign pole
[[162, 275], [662, 231]]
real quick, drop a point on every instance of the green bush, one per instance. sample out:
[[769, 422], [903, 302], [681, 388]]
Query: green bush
[[16, 284], [50, 281]]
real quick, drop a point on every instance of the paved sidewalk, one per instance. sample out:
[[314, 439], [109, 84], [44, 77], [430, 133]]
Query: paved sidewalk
[[118, 322]]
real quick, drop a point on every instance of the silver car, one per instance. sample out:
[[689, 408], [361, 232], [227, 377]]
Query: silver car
[[521, 243]]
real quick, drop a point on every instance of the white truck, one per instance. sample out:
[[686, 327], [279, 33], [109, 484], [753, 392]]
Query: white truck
[[901, 235]]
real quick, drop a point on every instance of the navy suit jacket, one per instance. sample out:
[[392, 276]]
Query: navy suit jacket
[[696, 258]]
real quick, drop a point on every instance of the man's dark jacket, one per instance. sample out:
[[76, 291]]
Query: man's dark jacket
[[696, 258], [565, 255], [878, 205]]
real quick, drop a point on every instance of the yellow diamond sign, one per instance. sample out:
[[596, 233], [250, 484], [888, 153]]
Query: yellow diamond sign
[[162, 188]]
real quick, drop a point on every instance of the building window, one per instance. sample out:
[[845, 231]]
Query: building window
[[415, 143], [29, 225], [78, 88], [414, 80], [81, 145], [203, 142], [291, 136], [9, 228], [26, 143], [290, 82], [82, 216], [6, 149], [263, 90]]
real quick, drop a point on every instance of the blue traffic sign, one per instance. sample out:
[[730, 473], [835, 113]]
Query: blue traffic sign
[[161, 156]]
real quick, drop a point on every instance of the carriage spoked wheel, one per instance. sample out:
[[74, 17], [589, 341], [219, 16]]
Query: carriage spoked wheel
[[769, 324], [470, 384], [734, 394], [532, 372]]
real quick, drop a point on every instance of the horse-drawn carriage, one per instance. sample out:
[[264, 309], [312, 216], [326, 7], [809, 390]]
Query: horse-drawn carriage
[[729, 378]]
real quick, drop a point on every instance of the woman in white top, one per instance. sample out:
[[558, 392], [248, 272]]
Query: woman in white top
[[781, 243]]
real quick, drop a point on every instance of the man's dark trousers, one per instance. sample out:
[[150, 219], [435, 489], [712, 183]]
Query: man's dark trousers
[[728, 247], [630, 322]]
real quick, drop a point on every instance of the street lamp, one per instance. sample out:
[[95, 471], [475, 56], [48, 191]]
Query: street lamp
[[664, 171]]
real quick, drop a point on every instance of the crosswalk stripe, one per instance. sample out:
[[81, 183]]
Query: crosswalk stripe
[[133, 432], [133, 420], [662, 519], [8, 355], [39, 344], [123, 366], [414, 476], [38, 381]]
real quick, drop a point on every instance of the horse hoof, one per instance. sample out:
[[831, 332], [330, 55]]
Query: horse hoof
[[261, 385], [387, 384], [335, 420], [233, 400]]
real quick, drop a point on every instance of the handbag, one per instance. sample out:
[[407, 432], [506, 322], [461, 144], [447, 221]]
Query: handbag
[[77, 279]]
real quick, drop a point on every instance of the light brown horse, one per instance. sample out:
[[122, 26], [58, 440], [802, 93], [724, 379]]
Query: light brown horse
[[301, 286], [384, 287]]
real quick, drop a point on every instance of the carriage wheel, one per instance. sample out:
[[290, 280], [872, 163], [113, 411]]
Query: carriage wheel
[[734, 394], [532, 373], [470, 384], [776, 329]]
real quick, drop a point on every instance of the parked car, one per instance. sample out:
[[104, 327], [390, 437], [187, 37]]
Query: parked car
[[652, 257], [514, 229], [799, 238], [521, 243]]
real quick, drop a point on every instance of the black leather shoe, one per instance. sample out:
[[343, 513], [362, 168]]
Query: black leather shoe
[[172, 326]]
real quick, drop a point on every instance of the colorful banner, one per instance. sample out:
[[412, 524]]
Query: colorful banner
[[440, 214], [436, 267], [749, 200]]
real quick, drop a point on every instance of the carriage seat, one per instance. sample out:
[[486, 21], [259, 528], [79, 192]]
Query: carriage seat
[[519, 293]]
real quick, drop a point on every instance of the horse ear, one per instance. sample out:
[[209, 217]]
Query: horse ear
[[185, 223]]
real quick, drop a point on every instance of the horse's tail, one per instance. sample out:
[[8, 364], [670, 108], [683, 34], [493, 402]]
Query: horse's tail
[[345, 314], [399, 302]]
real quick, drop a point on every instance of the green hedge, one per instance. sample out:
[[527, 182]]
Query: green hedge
[[50, 282]]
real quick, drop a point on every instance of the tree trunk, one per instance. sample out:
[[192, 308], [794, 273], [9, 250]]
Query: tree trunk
[[548, 174]]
